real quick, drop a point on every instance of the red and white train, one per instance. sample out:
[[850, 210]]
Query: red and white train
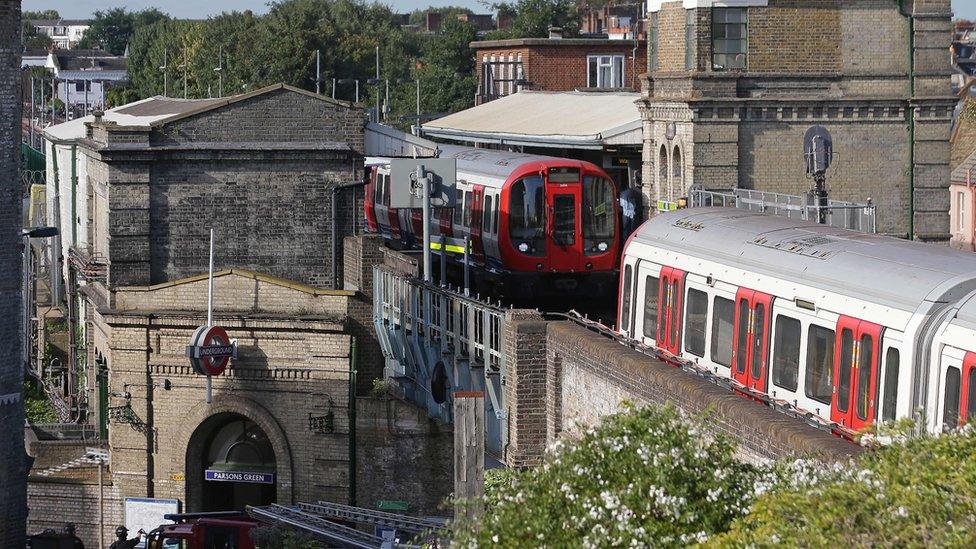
[[536, 223], [854, 328]]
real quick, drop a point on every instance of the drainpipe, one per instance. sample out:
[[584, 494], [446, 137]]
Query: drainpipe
[[910, 118], [353, 367]]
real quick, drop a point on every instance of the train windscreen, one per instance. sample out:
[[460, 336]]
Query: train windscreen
[[526, 223], [599, 222]]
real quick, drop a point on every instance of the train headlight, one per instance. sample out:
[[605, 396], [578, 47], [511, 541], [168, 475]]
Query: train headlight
[[602, 246], [523, 247]]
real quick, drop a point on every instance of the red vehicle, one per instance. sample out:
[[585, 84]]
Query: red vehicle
[[220, 530], [536, 223]]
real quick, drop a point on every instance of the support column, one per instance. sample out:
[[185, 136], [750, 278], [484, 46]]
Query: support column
[[469, 454]]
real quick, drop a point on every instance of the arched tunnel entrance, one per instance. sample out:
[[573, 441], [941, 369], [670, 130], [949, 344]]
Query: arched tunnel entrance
[[230, 464]]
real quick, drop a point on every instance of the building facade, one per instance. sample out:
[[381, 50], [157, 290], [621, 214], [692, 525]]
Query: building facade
[[732, 90], [557, 64], [65, 33]]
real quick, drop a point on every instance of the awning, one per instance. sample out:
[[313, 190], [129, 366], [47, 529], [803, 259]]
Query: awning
[[581, 120]]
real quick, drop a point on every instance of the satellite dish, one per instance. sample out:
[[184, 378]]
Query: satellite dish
[[818, 150]]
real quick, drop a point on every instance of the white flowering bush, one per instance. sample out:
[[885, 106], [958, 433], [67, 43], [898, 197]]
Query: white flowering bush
[[644, 477], [917, 492]]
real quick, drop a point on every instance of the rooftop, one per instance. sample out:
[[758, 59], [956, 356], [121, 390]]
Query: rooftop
[[577, 119], [142, 113], [554, 42]]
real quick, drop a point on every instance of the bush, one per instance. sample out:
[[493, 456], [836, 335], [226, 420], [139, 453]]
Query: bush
[[914, 493], [644, 477]]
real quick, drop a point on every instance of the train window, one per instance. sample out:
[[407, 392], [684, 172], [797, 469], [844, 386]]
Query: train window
[[526, 205], [845, 367], [498, 208], [458, 210], [864, 367], [696, 317], [625, 301], [651, 285], [378, 189], [386, 189], [564, 175], [950, 406], [723, 323], [486, 217], [759, 320], [743, 342], [786, 353], [820, 363], [597, 213], [970, 395], [564, 219], [469, 210], [890, 385]]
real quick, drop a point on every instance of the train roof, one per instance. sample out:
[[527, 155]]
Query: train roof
[[877, 268], [494, 164]]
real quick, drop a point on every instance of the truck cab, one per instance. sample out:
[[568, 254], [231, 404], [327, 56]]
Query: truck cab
[[221, 530]]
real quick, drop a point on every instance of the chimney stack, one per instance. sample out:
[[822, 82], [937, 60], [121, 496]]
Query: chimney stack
[[555, 33]]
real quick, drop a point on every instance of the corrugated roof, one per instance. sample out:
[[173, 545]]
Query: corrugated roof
[[557, 119]]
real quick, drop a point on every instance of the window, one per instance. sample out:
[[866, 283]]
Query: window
[[605, 71], [729, 38], [696, 317], [846, 366], [950, 406], [865, 366], [662, 181], [890, 385], [970, 394], [676, 167], [386, 189], [486, 219], [820, 363], [459, 208], [961, 209], [599, 221], [468, 210], [651, 286], [625, 301], [526, 207], [498, 208], [80, 85], [786, 353], [378, 190], [652, 43], [743, 337], [723, 323], [564, 219], [689, 40], [758, 328]]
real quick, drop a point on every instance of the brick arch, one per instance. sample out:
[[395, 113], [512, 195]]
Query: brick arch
[[192, 443]]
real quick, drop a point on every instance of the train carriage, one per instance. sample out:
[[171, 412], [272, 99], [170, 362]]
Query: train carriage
[[852, 327], [536, 223]]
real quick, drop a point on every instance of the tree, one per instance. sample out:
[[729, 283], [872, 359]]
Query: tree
[[532, 18], [34, 40], [446, 70], [111, 30], [45, 14], [643, 478]]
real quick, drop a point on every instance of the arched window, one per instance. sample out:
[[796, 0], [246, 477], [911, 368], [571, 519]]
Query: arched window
[[663, 190], [676, 171]]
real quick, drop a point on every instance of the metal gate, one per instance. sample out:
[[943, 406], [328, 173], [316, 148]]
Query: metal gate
[[437, 341]]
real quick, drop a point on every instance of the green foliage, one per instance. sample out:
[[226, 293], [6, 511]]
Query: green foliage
[[918, 492], [37, 407], [446, 69], [112, 30], [41, 14], [645, 477], [381, 387], [277, 537], [115, 97], [419, 16], [532, 18]]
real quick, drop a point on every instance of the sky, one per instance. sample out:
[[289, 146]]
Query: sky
[[195, 9]]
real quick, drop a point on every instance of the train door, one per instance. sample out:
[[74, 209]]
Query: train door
[[671, 293], [750, 342], [967, 401], [563, 203], [648, 290], [477, 211], [625, 314], [856, 359], [489, 227]]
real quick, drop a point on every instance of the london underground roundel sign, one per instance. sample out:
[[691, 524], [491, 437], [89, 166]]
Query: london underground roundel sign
[[210, 349]]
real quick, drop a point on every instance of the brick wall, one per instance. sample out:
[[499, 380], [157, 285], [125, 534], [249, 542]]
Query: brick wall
[[671, 37], [798, 36], [525, 387], [12, 456], [360, 254], [55, 502], [597, 374]]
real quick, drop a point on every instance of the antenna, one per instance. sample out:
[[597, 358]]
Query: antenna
[[163, 68], [818, 151]]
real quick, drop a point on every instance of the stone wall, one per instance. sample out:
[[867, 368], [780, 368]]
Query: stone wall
[[360, 253], [12, 456], [55, 502]]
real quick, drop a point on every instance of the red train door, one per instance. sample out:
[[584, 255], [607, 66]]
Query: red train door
[[967, 400], [855, 372], [750, 342], [477, 208], [670, 299], [565, 248]]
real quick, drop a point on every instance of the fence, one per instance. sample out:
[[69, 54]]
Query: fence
[[837, 213]]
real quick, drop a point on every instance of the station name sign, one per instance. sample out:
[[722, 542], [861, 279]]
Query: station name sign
[[239, 476]]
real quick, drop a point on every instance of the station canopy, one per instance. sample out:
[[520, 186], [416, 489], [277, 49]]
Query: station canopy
[[575, 119]]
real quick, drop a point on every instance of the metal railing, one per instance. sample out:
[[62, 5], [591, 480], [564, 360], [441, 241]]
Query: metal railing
[[837, 213], [436, 341]]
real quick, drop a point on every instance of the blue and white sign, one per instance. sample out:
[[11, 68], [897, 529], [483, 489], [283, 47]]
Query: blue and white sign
[[240, 476]]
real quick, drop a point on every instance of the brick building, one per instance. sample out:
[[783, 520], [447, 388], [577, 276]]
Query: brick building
[[731, 91], [557, 64]]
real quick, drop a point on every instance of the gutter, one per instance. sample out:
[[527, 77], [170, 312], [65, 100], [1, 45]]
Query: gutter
[[910, 118]]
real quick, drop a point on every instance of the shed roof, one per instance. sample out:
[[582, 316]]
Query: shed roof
[[585, 120], [142, 113]]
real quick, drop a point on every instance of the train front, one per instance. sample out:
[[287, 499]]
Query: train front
[[562, 231]]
